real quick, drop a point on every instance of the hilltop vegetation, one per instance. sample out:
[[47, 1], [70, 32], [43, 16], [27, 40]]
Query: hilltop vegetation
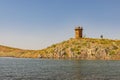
[[84, 48]]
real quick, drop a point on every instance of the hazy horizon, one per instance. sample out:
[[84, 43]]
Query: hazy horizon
[[36, 24]]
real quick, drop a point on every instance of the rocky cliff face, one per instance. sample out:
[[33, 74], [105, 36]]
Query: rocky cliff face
[[84, 48]]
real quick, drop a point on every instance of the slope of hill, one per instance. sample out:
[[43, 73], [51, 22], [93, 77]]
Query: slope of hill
[[84, 48], [6, 51]]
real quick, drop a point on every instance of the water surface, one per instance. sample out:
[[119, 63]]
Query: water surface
[[53, 69]]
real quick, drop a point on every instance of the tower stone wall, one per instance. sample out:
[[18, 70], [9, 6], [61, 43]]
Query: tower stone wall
[[78, 32]]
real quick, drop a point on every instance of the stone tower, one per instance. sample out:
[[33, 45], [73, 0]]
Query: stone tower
[[78, 32]]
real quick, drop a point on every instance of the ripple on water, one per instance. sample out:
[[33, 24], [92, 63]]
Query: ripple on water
[[51, 69]]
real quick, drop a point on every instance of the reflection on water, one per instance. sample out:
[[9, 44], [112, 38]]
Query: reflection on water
[[50, 69]]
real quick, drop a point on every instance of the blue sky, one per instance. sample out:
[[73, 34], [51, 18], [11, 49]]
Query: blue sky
[[36, 24]]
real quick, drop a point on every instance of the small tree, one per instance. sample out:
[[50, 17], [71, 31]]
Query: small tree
[[101, 36]]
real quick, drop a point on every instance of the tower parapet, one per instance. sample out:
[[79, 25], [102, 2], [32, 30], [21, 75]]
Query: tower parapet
[[78, 32]]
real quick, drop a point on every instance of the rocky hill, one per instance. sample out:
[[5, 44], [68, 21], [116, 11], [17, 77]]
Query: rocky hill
[[84, 48]]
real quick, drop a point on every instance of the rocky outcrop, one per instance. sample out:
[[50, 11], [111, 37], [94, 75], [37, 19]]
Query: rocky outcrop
[[84, 48]]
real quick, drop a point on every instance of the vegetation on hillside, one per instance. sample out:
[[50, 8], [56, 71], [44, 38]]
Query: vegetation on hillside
[[84, 48]]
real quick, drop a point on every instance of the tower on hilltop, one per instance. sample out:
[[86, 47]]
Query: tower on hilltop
[[78, 32]]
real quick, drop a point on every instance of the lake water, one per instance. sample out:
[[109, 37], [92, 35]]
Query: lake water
[[53, 69]]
